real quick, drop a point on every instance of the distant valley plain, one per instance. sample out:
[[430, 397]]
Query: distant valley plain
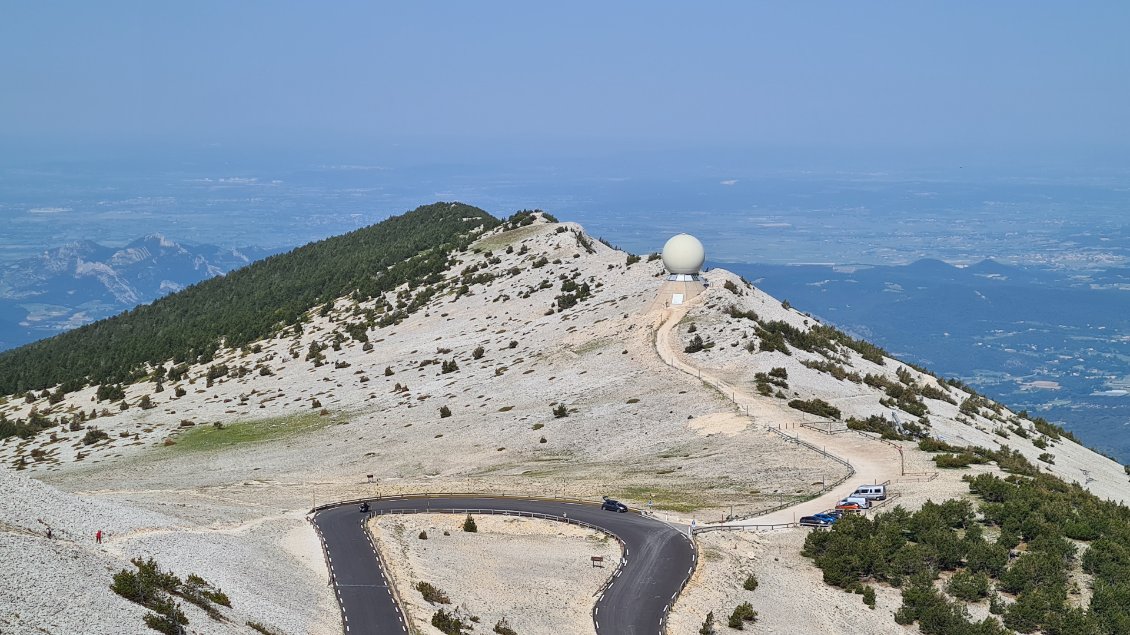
[[1017, 286]]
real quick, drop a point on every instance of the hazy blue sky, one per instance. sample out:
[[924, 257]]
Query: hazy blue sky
[[1005, 77]]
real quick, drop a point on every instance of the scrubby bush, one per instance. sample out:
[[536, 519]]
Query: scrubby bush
[[954, 461], [167, 617], [502, 627], [106, 392], [968, 586], [478, 352], [869, 596], [432, 595], [448, 623], [750, 583], [742, 613], [444, 412], [152, 588], [816, 406], [707, 627], [94, 435], [262, 628], [560, 410], [469, 525]]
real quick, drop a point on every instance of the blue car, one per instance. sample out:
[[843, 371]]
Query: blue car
[[818, 520]]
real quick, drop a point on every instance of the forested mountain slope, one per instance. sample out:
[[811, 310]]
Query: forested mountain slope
[[249, 303]]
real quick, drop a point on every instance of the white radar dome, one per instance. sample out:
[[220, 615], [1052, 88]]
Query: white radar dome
[[683, 254]]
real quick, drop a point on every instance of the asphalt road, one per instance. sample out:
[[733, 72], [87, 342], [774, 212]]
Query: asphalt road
[[658, 559]]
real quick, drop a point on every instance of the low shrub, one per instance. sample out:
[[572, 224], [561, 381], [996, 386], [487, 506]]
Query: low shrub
[[153, 588], [750, 583], [742, 613], [262, 628], [954, 461], [432, 595], [968, 586], [818, 407], [94, 435], [707, 627], [469, 525], [448, 623]]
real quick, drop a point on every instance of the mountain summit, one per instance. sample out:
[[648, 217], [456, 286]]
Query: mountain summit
[[449, 351]]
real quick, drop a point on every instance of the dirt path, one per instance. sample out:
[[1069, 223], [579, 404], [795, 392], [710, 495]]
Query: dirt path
[[873, 461]]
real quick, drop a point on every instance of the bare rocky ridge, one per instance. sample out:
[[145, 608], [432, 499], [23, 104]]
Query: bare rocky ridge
[[308, 416]]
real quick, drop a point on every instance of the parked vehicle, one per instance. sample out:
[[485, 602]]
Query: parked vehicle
[[871, 492], [816, 520], [613, 505], [853, 503]]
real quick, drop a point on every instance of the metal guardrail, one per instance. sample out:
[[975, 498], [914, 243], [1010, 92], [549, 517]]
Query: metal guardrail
[[489, 512], [825, 430], [810, 446], [918, 477], [883, 503], [874, 437], [709, 528], [425, 495]]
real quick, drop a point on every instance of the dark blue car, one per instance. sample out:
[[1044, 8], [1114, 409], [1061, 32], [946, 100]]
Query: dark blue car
[[818, 520], [613, 505]]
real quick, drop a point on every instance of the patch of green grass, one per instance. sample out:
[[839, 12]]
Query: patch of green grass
[[667, 499], [208, 438], [500, 241]]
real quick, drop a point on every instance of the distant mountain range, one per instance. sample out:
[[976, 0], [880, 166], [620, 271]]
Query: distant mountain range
[[1054, 342], [83, 281]]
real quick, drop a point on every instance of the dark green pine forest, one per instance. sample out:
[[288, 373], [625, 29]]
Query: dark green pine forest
[[250, 303]]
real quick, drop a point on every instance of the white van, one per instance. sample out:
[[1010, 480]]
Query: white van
[[871, 492]]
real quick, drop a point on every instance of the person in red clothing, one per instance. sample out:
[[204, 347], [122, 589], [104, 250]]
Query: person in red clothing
[[98, 536]]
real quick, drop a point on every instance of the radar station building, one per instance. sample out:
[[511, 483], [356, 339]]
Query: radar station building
[[683, 256]]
